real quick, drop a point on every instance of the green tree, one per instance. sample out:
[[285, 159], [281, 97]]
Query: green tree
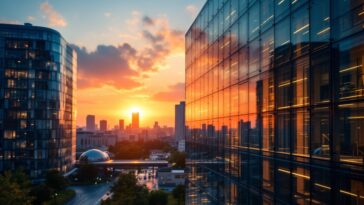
[[126, 191], [179, 193], [158, 198], [55, 180], [15, 189]]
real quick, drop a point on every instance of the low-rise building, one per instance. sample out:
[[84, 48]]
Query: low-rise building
[[100, 140], [168, 178]]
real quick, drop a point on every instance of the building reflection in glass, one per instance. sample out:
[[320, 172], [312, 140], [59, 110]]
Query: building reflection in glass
[[275, 102]]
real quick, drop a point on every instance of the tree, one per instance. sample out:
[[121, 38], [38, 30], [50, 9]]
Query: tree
[[55, 180], [15, 189], [158, 198], [126, 191], [179, 193], [41, 194]]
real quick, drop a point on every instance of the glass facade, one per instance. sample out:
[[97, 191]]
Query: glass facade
[[275, 102], [37, 100]]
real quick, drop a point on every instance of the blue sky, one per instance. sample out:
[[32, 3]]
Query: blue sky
[[130, 52], [88, 19]]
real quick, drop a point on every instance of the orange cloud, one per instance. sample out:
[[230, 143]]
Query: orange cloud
[[125, 67], [108, 65], [52, 16], [175, 93]]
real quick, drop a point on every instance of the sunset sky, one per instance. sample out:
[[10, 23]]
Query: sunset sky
[[130, 52]]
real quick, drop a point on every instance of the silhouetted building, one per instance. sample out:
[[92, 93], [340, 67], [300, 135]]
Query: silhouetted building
[[37, 100], [135, 120], [275, 102], [121, 124], [90, 123], [156, 125], [103, 125], [179, 125]]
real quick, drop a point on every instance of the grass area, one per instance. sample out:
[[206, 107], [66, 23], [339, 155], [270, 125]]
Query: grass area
[[62, 197]]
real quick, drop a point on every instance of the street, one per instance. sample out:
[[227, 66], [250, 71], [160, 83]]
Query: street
[[89, 194]]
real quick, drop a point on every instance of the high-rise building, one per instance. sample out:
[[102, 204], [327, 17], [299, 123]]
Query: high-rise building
[[275, 102], [156, 125], [179, 121], [90, 123], [179, 126], [38, 71], [121, 124], [103, 125], [135, 120]]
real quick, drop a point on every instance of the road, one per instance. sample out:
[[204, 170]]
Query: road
[[89, 194]]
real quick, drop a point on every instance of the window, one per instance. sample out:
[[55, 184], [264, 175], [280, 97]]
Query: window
[[351, 71], [300, 31], [243, 30], [320, 67], [282, 41], [350, 133], [300, 184], [320, 21], [254, 57], [243, 64], [9, 134], [244, 127], [234, 68], [267, 8], [281, 9], [243, 98], [320, 132], [234, 100], [283, 89], [284, 135], [299, 82], [267, 51], [348, 18], [268, 132], [254, 21], [300, 128]]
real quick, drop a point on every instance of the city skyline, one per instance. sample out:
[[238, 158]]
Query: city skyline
[[150, 39]]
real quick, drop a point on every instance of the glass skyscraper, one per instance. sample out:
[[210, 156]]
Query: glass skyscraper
[[37, 100], [275, 102]]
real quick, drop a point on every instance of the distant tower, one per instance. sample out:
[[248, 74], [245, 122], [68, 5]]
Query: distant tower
[[103, 125], [179, 123], [135, 120], [121, 124], [156, 125], [90, 123]]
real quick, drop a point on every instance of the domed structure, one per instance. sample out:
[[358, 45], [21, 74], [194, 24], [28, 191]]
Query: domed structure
[[94, 155]]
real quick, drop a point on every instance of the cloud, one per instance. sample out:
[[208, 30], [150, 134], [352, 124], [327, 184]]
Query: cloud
[[126, 67], [175, 93], [191, 9], [148, 21], [108, 65], [52, 16], [162, 40]]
